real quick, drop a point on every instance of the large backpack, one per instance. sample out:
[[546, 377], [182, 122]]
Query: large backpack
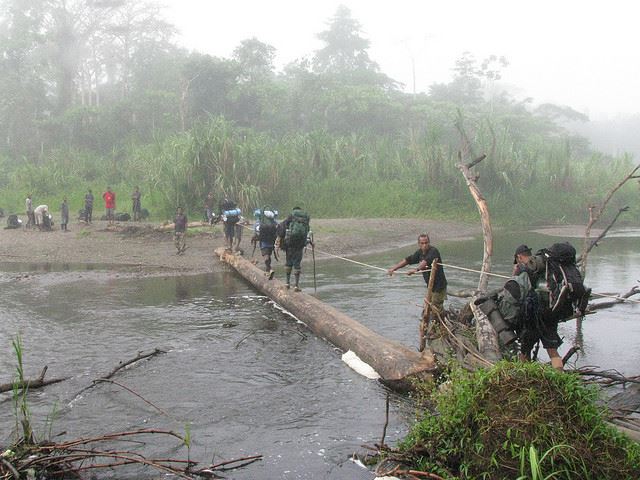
[[298, 228], [518, 302], [268, 224], [13, 221], [231, 212], [567, 293]]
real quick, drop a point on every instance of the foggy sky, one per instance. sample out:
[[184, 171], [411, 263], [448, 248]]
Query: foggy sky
[[577, 53]]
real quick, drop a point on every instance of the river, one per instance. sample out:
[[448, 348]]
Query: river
[[244, 376]]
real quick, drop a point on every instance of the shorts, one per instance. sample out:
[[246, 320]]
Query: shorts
[[294, 257], [546, 331]]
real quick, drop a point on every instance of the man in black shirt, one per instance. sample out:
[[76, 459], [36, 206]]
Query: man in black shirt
[[424, 257]]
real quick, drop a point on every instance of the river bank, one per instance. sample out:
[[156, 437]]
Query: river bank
[[147, 248]]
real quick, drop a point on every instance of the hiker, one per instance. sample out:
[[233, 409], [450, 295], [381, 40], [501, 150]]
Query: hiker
[[136, 206], [180, 230], [293, 236], [230, 214], [39, 213], [88, 206], [110, 205], [564, 296], [64, 215], [424, 257], [208, 208], [265, 234], [31, 219]]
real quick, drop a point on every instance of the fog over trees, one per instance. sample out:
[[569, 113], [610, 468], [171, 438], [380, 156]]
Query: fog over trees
[[99, 92]]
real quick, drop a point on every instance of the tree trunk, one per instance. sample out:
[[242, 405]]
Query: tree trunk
[[485, 219], [394, 362]]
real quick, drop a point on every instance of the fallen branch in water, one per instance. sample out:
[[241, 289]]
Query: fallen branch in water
[[606, 378], [121, 365], [75, 456], [617, 300], [31, 384]]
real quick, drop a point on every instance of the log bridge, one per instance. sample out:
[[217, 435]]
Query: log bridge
[[395, 363]]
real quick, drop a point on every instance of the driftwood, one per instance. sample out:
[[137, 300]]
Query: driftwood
[[31, 384], [619, 299], [395, 363], [121, 365], [486, 335]]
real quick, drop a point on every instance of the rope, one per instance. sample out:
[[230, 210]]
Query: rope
[[455, 267], [352, 261]]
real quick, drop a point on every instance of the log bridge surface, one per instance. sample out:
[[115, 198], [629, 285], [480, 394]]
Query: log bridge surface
[[395, 363]]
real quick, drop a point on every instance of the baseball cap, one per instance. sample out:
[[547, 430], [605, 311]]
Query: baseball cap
[[521, 249]]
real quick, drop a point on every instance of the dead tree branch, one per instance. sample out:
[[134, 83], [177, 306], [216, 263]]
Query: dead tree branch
[[594, 243], [595, 212], [31, 384]]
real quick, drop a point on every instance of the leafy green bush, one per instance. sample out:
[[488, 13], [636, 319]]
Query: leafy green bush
[[493, 423]]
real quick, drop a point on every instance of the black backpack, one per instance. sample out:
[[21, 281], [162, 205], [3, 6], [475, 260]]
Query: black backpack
[[13, 222], [268, 225], [567, 293]]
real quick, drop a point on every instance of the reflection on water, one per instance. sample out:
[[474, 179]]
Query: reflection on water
[[247, 377]]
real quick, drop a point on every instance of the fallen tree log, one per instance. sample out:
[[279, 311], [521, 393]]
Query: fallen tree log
[[395, 363], [170, 226]]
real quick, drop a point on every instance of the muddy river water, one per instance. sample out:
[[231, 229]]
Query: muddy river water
[[246, 377]]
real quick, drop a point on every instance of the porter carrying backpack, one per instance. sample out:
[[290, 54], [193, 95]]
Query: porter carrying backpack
[[567, 293], [268, 225], [230, 211], [298, 228]]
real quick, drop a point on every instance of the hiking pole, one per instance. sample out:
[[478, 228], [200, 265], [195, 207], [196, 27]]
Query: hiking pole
[[313, 255], [255, 243]]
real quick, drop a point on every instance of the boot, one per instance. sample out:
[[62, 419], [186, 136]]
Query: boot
[[296, 274], [288, 272]]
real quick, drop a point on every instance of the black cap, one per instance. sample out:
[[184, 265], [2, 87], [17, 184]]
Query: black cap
[[522, 249]]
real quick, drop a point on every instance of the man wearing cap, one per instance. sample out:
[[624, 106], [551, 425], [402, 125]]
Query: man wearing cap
[[541, 327], [523, 261]]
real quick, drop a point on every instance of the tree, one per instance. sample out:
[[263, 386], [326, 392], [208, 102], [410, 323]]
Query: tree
[[470, 80], [345, 50], [255, 60]]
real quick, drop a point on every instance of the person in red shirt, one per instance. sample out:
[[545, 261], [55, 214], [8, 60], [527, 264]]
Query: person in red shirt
[[110, 204]]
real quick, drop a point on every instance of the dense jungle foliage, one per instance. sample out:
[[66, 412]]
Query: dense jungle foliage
[[96, 94]]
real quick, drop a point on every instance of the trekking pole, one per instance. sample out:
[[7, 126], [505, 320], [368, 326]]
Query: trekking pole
[[313, 255]]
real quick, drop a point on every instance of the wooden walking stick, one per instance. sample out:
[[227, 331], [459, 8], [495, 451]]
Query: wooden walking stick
[[313, 255], [426, 313]]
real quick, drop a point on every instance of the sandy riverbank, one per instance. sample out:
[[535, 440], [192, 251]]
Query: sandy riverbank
[[143, 248]]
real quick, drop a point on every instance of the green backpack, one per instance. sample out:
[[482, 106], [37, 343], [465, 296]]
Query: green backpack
[[299, 228]]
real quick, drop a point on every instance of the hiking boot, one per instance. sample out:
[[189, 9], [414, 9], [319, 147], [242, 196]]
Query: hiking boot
[[271, 274], [287, 286], [297, 289]]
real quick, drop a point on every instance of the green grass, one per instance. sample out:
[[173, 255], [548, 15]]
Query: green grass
[[494, 423]]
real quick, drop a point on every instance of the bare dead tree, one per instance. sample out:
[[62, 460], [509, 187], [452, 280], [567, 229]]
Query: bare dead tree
[[595, 212]]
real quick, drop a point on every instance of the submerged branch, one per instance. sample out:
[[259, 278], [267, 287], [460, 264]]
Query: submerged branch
[[31, 384]]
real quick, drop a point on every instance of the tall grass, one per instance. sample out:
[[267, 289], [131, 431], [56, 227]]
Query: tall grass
[[525, 179]]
